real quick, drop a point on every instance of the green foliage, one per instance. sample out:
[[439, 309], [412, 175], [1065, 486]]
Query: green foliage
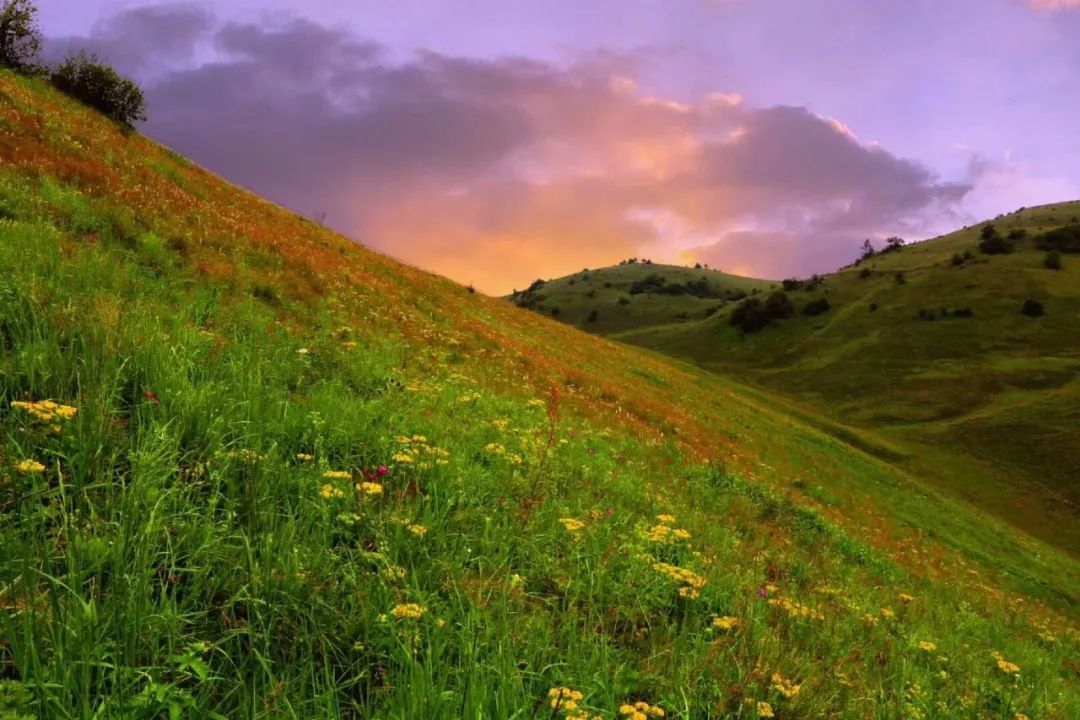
[[1063, 240], [86, 79], [991, 242], [1052, 261], [816, 307], [20, 37]]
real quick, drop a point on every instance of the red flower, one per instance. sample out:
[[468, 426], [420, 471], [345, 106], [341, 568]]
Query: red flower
[[152, 397]]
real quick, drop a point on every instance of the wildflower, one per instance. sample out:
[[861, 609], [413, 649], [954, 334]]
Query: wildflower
[[1020, 716], [303, 351], [411, 611], [905, 598], [1007, 667], [402, 458], [151, 396], [337, 475], [691, 581], [381, 470], [394, 572], [329, 491], [418, 530], [304, 457], [927, 646], [666, 518], [640, 711], [785, 687], [46, 411], [764, 710], [726, 622], [30, 466], [565, 699], [887, 614], [572, 525], [370, 488]]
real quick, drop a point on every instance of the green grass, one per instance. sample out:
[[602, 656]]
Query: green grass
[[196, 539], [986, 406]]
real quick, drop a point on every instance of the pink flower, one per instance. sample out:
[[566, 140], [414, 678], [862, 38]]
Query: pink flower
[[382, 470], [762, 592]]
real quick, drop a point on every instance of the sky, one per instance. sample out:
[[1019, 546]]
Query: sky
[[496, 142]]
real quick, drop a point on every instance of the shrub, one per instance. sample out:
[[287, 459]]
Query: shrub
[[20, 38], [778, 305], [1033, 308], [593, 316], [900, 278], [816, 307], [99, 86], [991, 242], [750, 315], [1052, 261], [864, 273], [792, 283], [1063, 239]]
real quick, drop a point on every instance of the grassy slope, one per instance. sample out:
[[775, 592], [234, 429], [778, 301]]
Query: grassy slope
[[986, 406], [178, 552]]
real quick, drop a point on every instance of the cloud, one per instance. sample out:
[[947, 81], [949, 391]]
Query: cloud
[[1055, 4], [499, 171]]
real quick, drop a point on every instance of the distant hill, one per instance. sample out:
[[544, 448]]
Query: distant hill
[[927, 345]]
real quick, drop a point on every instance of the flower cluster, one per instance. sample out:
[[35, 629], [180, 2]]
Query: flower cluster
[[664, 532], [328, 491], [1004, 665], [794, 609], [246, 456], [927, 646], [499, 449], [415, 450], [410, 611], [46, 411], [640, 711], [785, 687], [564, 700], [572, 525], [690, 581], [726, 622], [30, 466]]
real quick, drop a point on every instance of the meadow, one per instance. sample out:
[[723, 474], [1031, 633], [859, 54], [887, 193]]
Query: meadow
[[250, 469]]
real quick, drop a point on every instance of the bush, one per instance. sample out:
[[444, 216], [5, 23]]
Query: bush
[[752, 315], [816, 307], [778, 305], [991, 242], [593, 316], [900, 278], [1033, 308], [1052, 261], [99, 86], [864, 273], [1064, 239], [792, 283], [20, 38]]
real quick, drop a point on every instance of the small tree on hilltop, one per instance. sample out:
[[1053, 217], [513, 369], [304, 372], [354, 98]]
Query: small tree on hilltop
[[991, 242], [20, 38], [84, 78]]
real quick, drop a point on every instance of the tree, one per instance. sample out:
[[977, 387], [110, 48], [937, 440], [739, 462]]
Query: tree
[[991, 242], [20, 38], [894, 243], [84, 78], [867, 249]]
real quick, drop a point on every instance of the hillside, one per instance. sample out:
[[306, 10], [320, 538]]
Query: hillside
[[925, 347], [250, 469]]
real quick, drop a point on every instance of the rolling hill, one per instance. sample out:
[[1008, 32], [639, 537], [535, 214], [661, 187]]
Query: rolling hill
[[251, 469], [922, 352]]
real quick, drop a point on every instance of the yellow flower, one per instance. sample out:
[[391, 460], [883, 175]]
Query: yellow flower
[[337, 475], [402, 458], [418, 530], [785, 687], [927, 646], [46, 410], [887, 614], [329, 491], [1007, 667], [30, 466], [411, 611], [1020, 716], [370, 488], [905, 598], [666, 518], [726, 622], [572, 524], [304, 457], [764, 710]]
